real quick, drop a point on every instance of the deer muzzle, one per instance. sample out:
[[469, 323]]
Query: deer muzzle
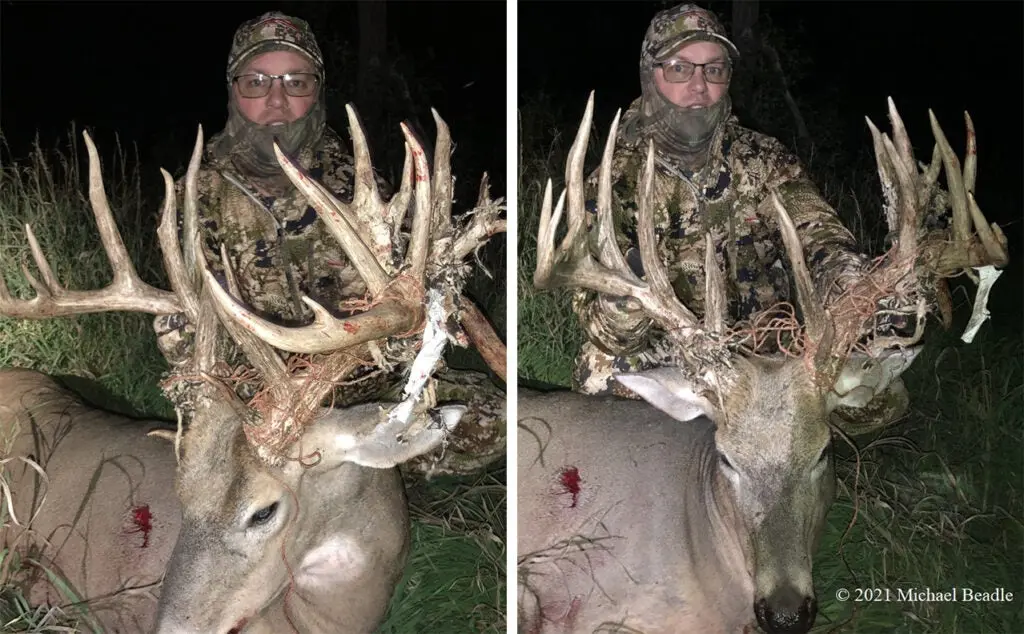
[[786, 611]]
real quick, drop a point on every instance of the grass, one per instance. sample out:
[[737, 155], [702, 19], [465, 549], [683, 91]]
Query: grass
[[933, 502], [455, 581], [936, 501], [548, 335]]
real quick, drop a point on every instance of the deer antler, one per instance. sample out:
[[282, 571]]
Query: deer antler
[[902, 272], [700, 345], [830, 331], [127, 291], [572, 265], [291, 398]]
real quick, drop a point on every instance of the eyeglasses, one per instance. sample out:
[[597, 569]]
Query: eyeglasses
[[256, 85], [678, 71]]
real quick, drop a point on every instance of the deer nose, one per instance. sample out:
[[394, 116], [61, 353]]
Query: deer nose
[[786, 612]]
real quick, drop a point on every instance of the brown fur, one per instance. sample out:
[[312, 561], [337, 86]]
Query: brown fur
[[100, 466], [219, 571]]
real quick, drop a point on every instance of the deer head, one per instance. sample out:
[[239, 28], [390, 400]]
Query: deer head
[[292, 511], [719, 371]]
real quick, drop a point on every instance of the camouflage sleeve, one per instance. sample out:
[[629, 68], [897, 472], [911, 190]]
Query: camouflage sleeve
[[616, 325], [829, 247]]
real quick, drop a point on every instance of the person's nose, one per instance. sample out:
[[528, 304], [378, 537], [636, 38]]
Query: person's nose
[[697, 83], [276, 96]]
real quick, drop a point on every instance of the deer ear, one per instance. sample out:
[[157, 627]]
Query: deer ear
[[864, 377], [668, 390], [363, 435]]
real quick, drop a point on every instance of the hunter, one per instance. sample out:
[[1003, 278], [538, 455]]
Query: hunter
[[275, 240], [712, 175]]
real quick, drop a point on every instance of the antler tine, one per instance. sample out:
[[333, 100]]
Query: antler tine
[[547, 274], [398, 206], [191, 247], [180, 262], [419, 241], [886, 177], [339, 219], [442, 203], [608, 252], [574, 180], [965, 209], [900, 138], [971, 157], [484, 191], [124, 271], [909, 209], [955, 183], [817, 320], [126, 292], [665, 298], [896, 171]]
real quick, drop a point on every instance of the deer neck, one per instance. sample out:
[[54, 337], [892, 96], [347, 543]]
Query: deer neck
[[715, 549]]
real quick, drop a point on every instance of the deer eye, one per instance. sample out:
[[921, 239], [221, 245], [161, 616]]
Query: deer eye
[[263, 515]]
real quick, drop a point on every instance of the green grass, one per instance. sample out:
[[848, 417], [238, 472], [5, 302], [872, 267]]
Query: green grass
[[937, 500], [548, 335], [933, 502], [456, 578]]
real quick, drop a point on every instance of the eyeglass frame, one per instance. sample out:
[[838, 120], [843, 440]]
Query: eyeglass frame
[[724, 63], [284, 86]]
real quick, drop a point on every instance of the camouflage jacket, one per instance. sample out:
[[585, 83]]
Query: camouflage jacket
[[730, 198], [277, 246]]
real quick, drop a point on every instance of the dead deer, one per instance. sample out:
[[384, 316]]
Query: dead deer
[[699, 508], [289, 515]]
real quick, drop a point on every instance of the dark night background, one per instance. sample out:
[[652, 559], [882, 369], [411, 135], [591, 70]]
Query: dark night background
[[842, 60], [152, 71]]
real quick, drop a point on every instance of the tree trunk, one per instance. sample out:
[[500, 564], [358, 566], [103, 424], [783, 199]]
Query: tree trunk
[[744, 26], [745, 35]]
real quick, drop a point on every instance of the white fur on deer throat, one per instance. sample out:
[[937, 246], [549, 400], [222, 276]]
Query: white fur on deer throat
[[336, 560]]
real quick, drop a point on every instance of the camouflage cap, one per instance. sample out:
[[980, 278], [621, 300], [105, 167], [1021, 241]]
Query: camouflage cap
[[671, 28], [273, 31]]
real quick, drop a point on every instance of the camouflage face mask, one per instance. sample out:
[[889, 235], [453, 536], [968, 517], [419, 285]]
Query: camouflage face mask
[[684, 132], [251, 145]]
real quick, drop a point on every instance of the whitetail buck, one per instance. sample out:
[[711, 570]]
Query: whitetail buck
[[700, 509], [289, 516]]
